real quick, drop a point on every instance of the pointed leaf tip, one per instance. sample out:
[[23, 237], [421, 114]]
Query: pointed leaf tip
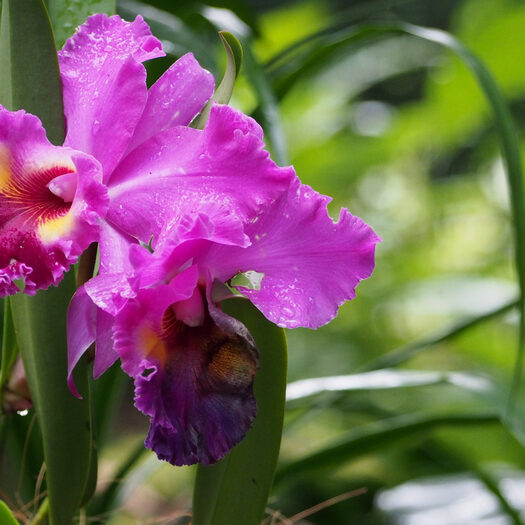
[[6, 516], [224, 91]]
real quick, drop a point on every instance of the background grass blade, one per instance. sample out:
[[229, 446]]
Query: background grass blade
[[406, 352], [9, 348], [376, 436], [511, 157], [381, 380], [106, 501], [268, 111], [236, 489]]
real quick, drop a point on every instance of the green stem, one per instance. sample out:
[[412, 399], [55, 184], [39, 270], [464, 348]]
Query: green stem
[[86, 266], [40, 517]]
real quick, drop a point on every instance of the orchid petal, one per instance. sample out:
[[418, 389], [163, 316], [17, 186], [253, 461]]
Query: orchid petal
[[105, 354], [311, 264], [175, 99], [114, 247], [137, 323], [109, 291], [104, 85], [81, 329], [180, 170]]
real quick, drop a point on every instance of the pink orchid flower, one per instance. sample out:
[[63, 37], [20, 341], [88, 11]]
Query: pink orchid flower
[[210, 203]]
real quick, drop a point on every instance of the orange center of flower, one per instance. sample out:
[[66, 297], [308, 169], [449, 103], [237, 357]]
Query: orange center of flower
[[220, 358]]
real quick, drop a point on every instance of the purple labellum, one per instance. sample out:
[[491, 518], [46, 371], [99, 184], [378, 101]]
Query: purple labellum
[[195, 382]]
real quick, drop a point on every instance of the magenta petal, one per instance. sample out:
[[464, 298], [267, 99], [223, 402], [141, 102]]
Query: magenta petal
[[51, 204], [104, 85], [109, 291], [175, 99], [180, 170], [137, 324], [211, 222], [105, 354], [114, 247], [81, 328], [311, 264]]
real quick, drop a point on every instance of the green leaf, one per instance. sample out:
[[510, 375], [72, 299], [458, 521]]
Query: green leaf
[[31, 80], [383, 380], [406, 352], [236, 489], [6, 516], [234, 63], [511, 157], [456, 462], [493, 486], [65, 421], [66, 15], [374, 436], [345, 18], [28, 60], [9, 348], [21, 452], [224, 91], [268, 111]]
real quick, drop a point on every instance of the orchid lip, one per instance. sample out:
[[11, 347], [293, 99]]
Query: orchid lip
[[64, 186], [32, 196], [193, 379], [51, 202]]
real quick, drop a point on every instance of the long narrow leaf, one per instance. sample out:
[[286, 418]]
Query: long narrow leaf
[[268, 110], [9, 348], [236, 489], [107, 500], [65, 421], [31, 81], [404, 353], [383, 380], [511, 158], [446, 456], [30, 76], [375, 436], [353, 15]]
